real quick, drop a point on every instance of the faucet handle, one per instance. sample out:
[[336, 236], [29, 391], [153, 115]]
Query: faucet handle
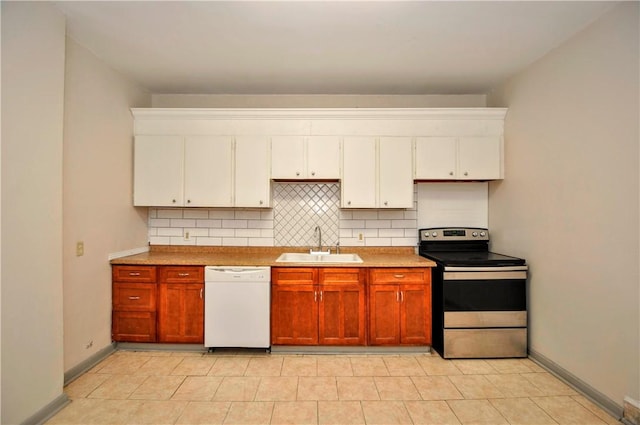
[[338, 247]]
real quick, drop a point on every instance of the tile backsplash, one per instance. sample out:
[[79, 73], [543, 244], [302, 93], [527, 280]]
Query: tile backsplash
[[297, 209]]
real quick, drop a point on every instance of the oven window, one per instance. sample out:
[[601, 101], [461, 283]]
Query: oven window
[[485, 295]]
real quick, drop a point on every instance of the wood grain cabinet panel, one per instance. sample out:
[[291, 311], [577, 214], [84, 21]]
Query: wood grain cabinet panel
[[134, 326], [400, 306], [342, 306], [318, 306], [133, 274], [181, 305], [134, 298]]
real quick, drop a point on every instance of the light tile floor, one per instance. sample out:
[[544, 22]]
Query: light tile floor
[[247, 388]]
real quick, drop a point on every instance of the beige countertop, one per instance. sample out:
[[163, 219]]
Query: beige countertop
[[266, 256]]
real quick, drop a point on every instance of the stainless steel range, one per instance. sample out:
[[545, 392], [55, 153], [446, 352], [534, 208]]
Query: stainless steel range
[[479, 297]]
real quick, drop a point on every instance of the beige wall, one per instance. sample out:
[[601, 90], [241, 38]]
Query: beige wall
[[98, 148], [569, 203], [317, 101], [33, 49]]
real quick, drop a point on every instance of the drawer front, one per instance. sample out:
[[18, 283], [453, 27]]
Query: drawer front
[[406, 275], [294, 275], [134, 296], [134, 326], [341, 275], [134, 274], [182, 274]]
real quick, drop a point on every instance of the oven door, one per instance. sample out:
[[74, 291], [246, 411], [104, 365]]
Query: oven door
[[484, 289]]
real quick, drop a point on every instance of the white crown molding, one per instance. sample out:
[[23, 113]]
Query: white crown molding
[[320, 113]]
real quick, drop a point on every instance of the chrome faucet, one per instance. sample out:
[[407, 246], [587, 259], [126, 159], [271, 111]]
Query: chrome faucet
[[318, 230]]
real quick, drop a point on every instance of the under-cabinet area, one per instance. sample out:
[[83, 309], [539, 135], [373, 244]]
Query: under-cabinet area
[[310, 305]]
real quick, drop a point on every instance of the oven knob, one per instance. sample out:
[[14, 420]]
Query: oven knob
[[483, 234], [434, 234], [425, 234], [474, 234]]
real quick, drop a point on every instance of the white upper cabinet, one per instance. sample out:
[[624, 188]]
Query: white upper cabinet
[[176, 171], [395, 173], [208, 171], [228, 157], [436, 158], [377, 172], [479, 158], [158, 171], [359, 179], [458, 158], [252, 169], [305, 158], [288, 157], [323, 157]]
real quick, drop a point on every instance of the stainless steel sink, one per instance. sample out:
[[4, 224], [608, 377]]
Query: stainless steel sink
[[297, 257]]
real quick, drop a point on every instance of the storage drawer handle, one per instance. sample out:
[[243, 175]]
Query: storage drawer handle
[[398, 276], [134, 273], [134, 298], [183, 274]]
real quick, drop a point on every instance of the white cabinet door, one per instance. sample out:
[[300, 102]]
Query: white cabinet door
[[252, 170], [323, 157], [436, 158], [358, 172], [479, 158], [158, 171], [288, 157], [208, 172], [395, 174]]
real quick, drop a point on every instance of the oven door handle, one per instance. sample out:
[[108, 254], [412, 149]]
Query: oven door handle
[[484, 275], [485, 269]]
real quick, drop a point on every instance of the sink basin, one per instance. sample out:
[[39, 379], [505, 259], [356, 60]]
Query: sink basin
[[297, 257]]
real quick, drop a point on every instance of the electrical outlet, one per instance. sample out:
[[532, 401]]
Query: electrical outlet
[[186, 236], [79, 249], [360, 238]]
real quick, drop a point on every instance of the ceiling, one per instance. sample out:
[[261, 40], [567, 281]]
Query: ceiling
[[323, 47]]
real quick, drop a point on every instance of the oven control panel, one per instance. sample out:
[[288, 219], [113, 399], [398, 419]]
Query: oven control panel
[[454, 234]]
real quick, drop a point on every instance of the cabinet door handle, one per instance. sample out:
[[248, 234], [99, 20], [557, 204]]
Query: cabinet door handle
[[183, 274], [134, 274], [451, 173], [201, 289], [398, 276], [466, 173], [401, 296], [134, 298], [315, 296], [397, 296], [313, 173], [321, 295], [297, 173]]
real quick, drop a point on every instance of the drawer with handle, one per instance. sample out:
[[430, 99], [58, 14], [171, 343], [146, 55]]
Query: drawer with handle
[[143, 274], [404, 275], [181, 274], [134, 296]]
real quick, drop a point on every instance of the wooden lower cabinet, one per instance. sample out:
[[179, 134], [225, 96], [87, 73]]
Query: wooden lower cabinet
[[318, 306], [400, 307], [134, 295], [181, 305], [134, 326], [342, 307]]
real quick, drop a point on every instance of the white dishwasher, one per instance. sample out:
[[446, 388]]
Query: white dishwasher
[[237, 305]]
